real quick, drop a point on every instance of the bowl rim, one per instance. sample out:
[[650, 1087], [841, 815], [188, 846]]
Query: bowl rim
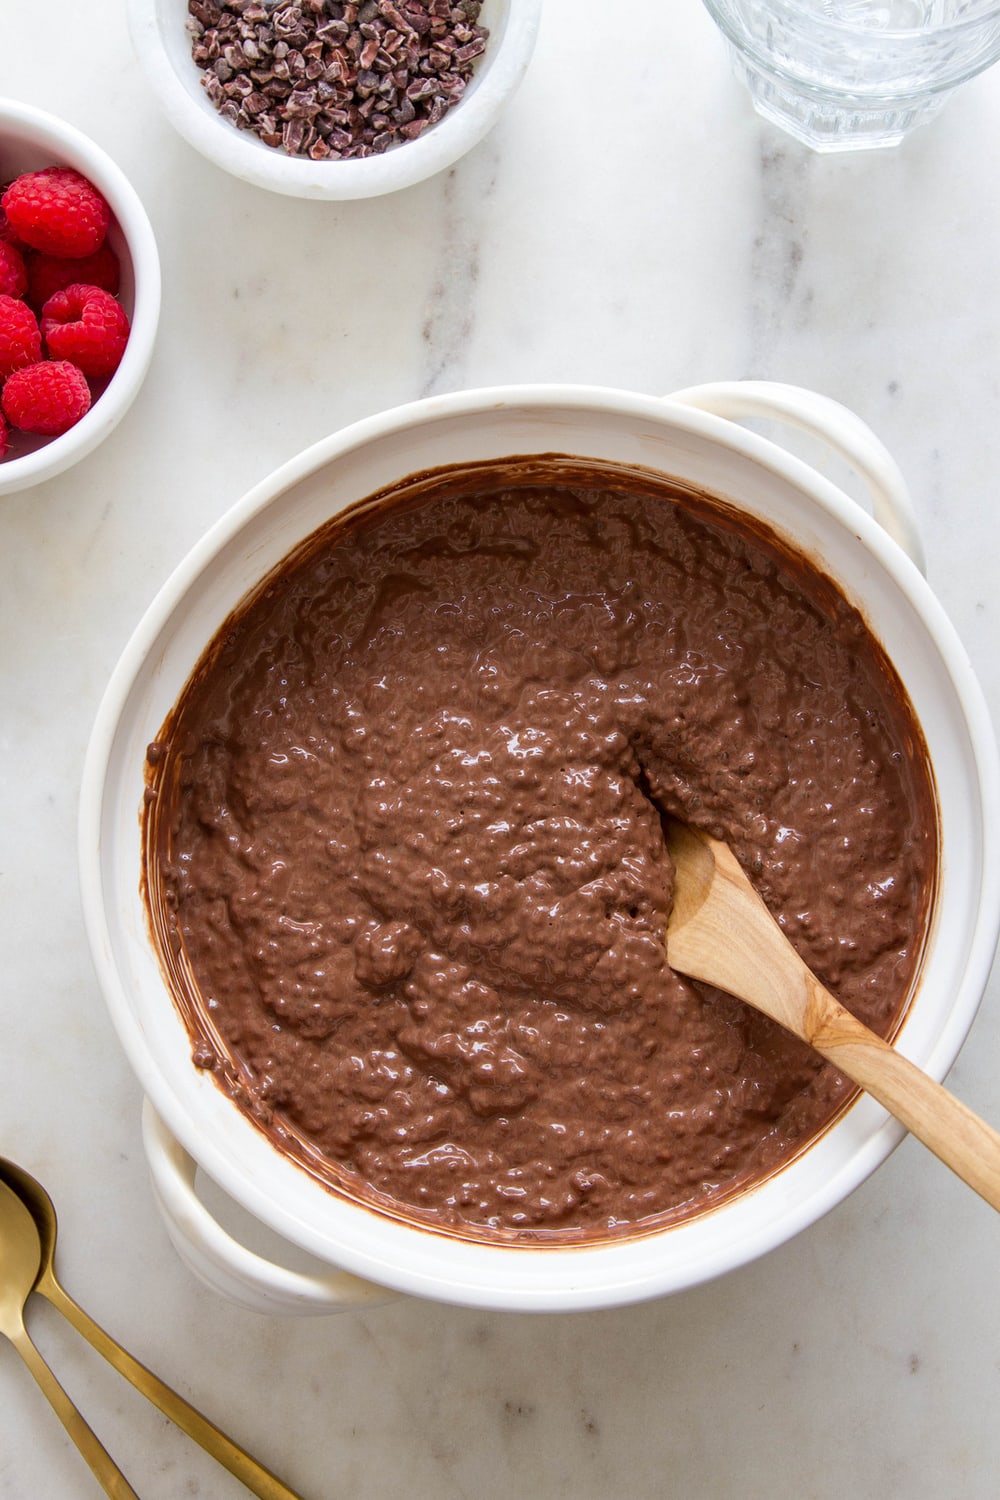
[[498, 75], [595, 1275], [72, 147]]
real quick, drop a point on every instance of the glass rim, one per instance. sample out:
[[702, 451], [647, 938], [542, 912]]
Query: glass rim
[[833, 26], [878, 95]]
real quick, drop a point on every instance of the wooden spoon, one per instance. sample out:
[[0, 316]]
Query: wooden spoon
[[721, 932]]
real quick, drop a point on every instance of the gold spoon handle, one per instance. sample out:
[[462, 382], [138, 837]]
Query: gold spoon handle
[[258, 1480], [105, 1469]]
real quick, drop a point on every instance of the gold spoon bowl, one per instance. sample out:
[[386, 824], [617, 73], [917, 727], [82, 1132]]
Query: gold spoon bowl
[[21, 1259]]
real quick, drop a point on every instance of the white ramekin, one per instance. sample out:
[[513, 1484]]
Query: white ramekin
[[690, 436], [30, 139], [163, 47]]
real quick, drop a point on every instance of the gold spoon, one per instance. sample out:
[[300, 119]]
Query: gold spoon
[[721, 932], [28, 1228], [20, 1260]]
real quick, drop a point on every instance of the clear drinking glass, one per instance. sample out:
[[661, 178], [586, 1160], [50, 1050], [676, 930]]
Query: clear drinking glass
[[843, 75]]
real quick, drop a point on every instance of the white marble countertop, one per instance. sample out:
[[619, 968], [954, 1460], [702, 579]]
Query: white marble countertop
[[629, 223]]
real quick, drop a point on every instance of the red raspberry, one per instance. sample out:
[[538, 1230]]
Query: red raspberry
[[49, 397], [4, 436], [6, 233], [48, 274], [20, 340], [56, 210], [13, 276], [86, 325]]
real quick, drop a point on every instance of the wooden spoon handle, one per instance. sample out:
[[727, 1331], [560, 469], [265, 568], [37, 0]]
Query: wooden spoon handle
[[963, 1141]]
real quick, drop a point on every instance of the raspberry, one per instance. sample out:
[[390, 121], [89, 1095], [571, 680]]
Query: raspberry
[[56, 210], [13, 275], [48, 398], [48, 274], [6, 233], [86, 325], [20, 340], [4, 436]]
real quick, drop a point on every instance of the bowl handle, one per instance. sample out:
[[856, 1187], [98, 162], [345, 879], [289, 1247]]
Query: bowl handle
[[221, 1262], [833, 424]]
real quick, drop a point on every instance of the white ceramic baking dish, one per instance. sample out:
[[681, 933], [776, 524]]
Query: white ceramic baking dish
[[693, 436]]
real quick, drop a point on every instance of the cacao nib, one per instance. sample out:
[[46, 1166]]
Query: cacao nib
[[381, 71]]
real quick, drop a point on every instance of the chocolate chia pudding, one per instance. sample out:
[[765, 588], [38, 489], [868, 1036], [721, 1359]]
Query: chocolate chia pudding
[[405, 858]]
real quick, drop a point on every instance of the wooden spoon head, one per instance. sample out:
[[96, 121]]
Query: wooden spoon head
[[694, 871], [720, 931]]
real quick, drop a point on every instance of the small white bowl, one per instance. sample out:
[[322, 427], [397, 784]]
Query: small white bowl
[[163, 46], [29, 140]]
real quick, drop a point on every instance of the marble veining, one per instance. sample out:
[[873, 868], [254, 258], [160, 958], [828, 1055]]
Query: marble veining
[[629, 223], [449, 322]]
